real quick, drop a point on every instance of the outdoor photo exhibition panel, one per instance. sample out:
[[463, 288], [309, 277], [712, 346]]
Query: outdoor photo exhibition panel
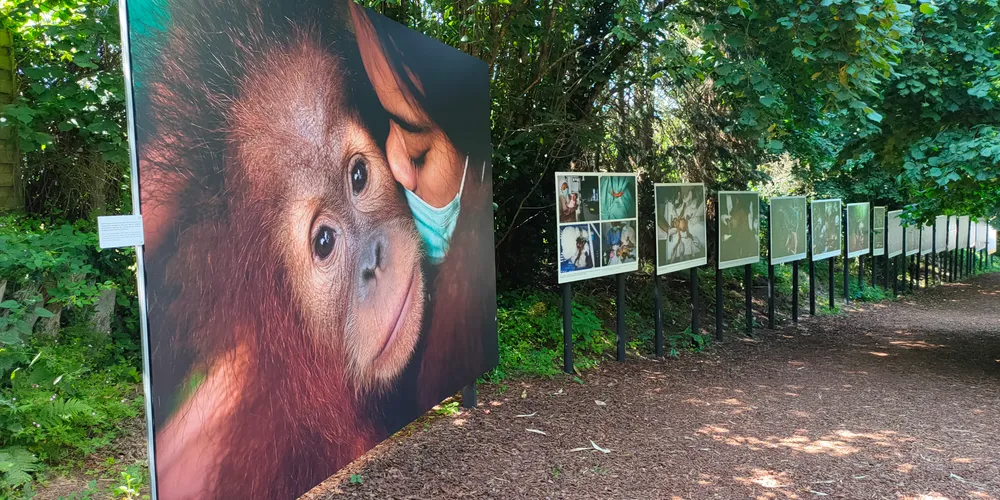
[[963, 232], [981, 229], [858, 229], [826, 229], [940, 233], [681, 228], [926, 239], [598, 222], [912, 239], [304, 300], [878, 231], [895, 233], [788, 229], [991, 240], [739, 228]]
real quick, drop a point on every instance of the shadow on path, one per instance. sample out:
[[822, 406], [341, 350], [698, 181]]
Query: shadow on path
[[889, 401]]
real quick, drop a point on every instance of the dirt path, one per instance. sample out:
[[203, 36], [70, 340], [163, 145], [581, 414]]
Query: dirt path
[[896, 401]]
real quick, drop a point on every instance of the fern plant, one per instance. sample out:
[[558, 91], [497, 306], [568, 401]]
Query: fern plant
[[16, 466]]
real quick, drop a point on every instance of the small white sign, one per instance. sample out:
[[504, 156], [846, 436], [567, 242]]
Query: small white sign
[[118, 231]]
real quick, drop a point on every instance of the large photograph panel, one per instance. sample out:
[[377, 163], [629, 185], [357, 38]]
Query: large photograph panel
[[878, 231], [981, 228], [991, 240], [739, 228], [788, 229], [316, 187], [826, 229], [895, 233], [858, 229], [681, 227]]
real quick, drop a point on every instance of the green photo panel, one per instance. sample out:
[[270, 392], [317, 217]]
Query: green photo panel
[[878, 231], [858, 229], [681, 228], [739, 228], [826, 237], [895, 229], [788, 229]]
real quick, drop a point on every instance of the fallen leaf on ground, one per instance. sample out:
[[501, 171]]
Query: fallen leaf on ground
[[598, 448], [526, 415], [536, 431]]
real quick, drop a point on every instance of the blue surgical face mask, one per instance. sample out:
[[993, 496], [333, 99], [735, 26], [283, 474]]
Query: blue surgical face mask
[[436, 225]]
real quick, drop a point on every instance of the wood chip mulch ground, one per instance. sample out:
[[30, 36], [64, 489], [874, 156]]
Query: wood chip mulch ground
[[886, 401]]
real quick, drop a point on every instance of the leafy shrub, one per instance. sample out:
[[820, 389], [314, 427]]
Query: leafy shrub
[[531, 334]]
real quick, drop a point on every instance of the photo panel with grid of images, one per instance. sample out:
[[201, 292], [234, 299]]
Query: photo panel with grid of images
[[598, 225]]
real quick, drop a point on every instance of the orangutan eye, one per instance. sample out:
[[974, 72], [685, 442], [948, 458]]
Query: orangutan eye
[[323, 242], [359, 174]]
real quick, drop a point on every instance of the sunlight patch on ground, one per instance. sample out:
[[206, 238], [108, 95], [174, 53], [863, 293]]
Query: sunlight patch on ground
[[916, 344], [879, 354], [771, 481], [839, 444]]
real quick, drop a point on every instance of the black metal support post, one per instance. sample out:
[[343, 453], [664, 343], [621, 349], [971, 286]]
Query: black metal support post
[[658, 315], [621, 317], [770, 296], [567, 299], [833, 284], [748, 289], [718, 304], [795, 292], [469, 396], [695, 303]]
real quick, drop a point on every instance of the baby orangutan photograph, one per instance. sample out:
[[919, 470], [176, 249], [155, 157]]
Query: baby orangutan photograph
[[316, 191]]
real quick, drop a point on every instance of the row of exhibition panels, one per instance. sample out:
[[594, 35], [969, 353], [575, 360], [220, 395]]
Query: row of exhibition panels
[[597, 217]]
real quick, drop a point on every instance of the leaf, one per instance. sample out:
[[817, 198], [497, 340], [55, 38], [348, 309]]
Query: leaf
[[598, 448], [767, 100], [733, 10], [536, 431], [526, 415], [927, 9], [42, 312], [874, 116], [9, 304], [9, 337], [600, 403], [863, 10]]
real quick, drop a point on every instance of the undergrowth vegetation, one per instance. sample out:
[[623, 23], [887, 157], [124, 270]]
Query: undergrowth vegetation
[[66, 381]]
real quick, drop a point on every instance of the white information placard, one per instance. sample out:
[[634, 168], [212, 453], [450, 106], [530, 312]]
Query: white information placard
[[116, 231]]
